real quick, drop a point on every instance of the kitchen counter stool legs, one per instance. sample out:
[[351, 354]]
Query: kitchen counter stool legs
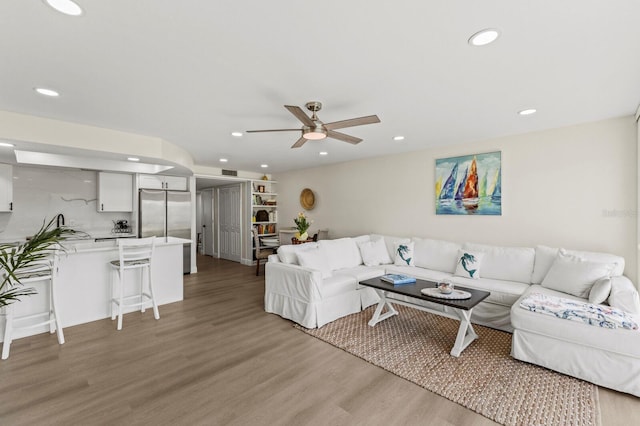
[[135, 254], [44, 271]]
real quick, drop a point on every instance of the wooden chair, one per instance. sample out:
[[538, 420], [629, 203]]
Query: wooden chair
[[260, 254]]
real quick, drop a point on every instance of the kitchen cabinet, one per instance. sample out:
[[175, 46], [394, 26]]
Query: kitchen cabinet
[[115, 192], [174, 183], [6, 188]]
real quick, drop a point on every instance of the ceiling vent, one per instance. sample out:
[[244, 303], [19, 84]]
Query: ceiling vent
[[229, 172]]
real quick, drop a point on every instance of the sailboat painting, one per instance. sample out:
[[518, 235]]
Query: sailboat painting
[[469, 185]]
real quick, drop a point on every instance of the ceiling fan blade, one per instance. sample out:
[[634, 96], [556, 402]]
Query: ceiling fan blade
[[274, 130], [300, 115], [369, 119], [343, 137], [299, 142]]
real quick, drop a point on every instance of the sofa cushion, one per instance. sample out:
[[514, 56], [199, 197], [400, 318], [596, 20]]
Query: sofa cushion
[[314, 259], [342, 253], [389, 242], [374, 253], [287, 253], [618, 340], [436, 254], [403, 254], [420, 273], [600, 291], [546, 255], [361, 272], [503, 293], [337, 284], [469, 264], [574, 275], [505, 263]]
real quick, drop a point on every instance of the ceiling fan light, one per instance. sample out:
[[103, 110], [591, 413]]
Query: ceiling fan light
[[314, 133]]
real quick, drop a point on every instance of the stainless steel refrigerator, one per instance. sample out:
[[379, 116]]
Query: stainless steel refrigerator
[[166, 214]]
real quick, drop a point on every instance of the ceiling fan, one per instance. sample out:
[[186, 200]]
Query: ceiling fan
[[314, 129]]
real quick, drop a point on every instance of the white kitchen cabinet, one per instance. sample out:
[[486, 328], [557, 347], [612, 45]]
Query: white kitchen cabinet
[[6, 188], [115, 192], [174, 183]]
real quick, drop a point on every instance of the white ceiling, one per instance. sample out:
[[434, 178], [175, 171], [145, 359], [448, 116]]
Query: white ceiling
[[191, 72]]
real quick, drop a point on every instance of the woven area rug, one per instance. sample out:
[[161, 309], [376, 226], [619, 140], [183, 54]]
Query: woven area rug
[[415, 345]]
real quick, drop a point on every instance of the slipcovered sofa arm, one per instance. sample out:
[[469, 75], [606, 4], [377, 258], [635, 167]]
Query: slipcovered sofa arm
[[624, 295], [293, 281], [273, 258]]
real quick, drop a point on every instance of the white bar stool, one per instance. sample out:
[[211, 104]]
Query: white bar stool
[[135, 253], [44, 271]]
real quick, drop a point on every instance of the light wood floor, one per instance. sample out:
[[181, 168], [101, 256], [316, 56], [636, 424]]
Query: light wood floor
[[218, 358]]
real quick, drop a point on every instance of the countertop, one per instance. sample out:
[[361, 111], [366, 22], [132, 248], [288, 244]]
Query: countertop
[[84, 246]]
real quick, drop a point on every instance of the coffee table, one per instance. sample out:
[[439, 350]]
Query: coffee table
[[461, 307]]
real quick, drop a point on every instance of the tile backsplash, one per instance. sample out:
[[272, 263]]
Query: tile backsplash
[[41, 193]]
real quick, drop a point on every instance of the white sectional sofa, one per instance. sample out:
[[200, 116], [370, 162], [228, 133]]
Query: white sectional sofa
[[316, 283]]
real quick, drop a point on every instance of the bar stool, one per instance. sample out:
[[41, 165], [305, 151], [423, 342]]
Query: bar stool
[[41, 271], [135, 254]]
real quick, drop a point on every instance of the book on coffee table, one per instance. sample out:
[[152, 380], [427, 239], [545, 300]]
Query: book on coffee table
[[398, 279]]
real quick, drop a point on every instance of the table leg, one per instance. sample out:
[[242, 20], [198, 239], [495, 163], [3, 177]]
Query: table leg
[[378, 315], [466, 333]]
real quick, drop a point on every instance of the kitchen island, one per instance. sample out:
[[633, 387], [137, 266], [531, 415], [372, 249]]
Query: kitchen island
[[84, 282]]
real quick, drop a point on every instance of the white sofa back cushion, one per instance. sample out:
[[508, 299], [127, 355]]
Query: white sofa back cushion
[[574, 275], [287, 253], [341, 253], [546, 255], [314, 259], [436, 255], [505, 263], [390, 243]]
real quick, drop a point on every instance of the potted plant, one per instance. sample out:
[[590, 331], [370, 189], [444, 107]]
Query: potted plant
[[37, 248], [302, 224]]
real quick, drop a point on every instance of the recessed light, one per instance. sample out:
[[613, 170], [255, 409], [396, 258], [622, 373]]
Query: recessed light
[[527, 111], [67, 7], [46, 92], [133, 159], [236, 134], [264, 166], [223, 160], [6, 144], [88, 181], [484, 37], [398, 138], [324, 153]]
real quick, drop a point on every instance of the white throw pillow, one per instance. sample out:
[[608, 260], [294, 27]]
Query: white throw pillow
[[287, 252], [374, 253], [315, 259], [574, 275], [600, 291], [403, 254], [469, 263]]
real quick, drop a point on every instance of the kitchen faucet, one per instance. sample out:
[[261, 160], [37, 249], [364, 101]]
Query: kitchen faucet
[[60, 220]]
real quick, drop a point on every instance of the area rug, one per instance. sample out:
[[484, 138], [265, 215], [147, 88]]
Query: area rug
[[415, 345]]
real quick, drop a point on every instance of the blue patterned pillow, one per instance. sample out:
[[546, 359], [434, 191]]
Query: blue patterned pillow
[[469, 264], [404, 254]]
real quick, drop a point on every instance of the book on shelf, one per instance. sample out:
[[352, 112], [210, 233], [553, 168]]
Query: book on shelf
[[398, 279]]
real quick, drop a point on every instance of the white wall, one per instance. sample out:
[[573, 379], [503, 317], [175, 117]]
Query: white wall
[[42, 193], [573, 187]]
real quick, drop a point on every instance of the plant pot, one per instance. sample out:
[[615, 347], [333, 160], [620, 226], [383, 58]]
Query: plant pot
[[302, 237]]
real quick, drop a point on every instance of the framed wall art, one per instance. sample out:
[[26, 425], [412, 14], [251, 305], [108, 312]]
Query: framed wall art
[[469, 185]]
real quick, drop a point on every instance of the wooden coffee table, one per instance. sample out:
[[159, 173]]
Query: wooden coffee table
[[461, 307]]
